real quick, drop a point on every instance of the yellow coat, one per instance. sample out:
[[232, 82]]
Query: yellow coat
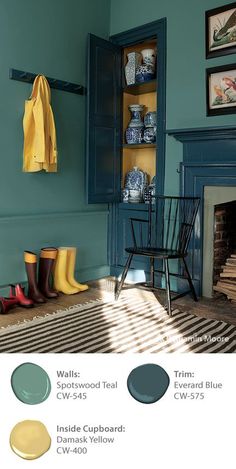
[[40, 147]]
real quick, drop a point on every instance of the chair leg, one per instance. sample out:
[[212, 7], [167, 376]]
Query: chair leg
[[152, 271], [120, 284], [190, 280], [168, 296]]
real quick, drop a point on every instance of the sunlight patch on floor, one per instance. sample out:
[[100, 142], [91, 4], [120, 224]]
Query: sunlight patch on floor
[[139, 327]]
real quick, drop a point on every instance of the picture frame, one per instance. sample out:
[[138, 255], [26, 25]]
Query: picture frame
[[220, 29], [221, 90]]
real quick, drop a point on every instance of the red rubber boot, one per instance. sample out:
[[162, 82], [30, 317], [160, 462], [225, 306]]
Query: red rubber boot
[[7, 303], [17, 292]]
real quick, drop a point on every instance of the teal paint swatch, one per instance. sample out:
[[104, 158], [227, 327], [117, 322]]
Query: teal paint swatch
[[30, 383], [148, 383]]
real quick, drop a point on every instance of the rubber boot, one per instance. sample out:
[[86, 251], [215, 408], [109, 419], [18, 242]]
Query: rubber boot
[[31, 269], [17, 293], [60, 278], [71, 258], [7, 303], [46, 263]]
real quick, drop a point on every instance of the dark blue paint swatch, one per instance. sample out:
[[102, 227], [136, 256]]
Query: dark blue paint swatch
[[148, 383]]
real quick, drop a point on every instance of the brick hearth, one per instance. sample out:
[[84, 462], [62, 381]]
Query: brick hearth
[[224, 236]]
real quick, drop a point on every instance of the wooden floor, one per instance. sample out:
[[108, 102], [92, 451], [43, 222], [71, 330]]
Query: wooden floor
[[219, 308]]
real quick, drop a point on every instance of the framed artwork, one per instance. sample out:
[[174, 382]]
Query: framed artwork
[[221, 31], [221, 90]]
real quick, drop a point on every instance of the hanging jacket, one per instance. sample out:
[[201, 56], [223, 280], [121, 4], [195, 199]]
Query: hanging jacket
[[40, 147]]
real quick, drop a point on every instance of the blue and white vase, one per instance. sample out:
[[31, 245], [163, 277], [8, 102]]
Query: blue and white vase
[[134, 132], [150, 119], [149, 193], [146, 71], [134, 59]]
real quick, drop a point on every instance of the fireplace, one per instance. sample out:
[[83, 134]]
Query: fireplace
[[219, 233], [208, 171], [224, 237]]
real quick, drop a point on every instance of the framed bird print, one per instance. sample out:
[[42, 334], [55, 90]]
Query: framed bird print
[[221, 90], [220, 26]]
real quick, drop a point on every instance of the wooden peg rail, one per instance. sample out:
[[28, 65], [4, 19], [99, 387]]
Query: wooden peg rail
[[28, 77]]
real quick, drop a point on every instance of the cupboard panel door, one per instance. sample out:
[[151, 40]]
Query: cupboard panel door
[[103, 121]]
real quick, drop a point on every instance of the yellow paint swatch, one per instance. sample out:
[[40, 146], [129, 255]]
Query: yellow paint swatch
[[29, 439]]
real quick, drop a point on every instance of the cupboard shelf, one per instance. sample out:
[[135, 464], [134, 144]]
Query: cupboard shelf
[[139, 145], [141, 88], [130, 206]]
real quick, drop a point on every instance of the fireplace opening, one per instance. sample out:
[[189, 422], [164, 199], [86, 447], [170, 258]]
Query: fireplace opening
[[217, 243], [224, 250]]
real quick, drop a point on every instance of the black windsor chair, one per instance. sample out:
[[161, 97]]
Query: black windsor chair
[[165, 235]]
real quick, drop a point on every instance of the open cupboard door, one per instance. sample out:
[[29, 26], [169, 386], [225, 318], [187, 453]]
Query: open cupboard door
[[103, 121]]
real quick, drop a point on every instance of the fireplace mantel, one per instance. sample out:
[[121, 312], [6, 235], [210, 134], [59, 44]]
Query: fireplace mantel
[[207, 145], [209, 159]]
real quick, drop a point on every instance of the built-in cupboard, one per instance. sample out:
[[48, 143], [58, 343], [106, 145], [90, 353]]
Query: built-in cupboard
[[109, 156]]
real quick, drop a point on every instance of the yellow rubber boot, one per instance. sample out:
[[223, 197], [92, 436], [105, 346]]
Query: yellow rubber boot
[[71, 257], [60, 278]]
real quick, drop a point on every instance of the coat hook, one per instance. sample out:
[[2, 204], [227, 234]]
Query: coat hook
[[55, 83]]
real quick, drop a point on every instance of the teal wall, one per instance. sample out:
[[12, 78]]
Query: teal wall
[[48, 37], [186, 65]]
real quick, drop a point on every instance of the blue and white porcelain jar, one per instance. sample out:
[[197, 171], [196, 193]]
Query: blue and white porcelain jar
[[146, 71], [136, 180], [149, 135], [149, 57], [134, 132]]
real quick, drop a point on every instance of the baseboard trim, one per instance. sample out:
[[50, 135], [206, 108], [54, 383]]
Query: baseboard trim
[[93, 273], [84, 275], [134, 275]]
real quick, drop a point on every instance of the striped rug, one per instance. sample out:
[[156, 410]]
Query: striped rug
[[129, 325]]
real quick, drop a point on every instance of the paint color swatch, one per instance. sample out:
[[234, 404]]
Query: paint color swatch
[[30, 439], [148, 383], [30, 383]]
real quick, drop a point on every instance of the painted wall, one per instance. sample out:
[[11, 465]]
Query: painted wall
[[186, 65], [48, 37]]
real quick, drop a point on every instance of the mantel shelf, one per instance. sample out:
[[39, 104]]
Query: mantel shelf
[[203, 133]]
